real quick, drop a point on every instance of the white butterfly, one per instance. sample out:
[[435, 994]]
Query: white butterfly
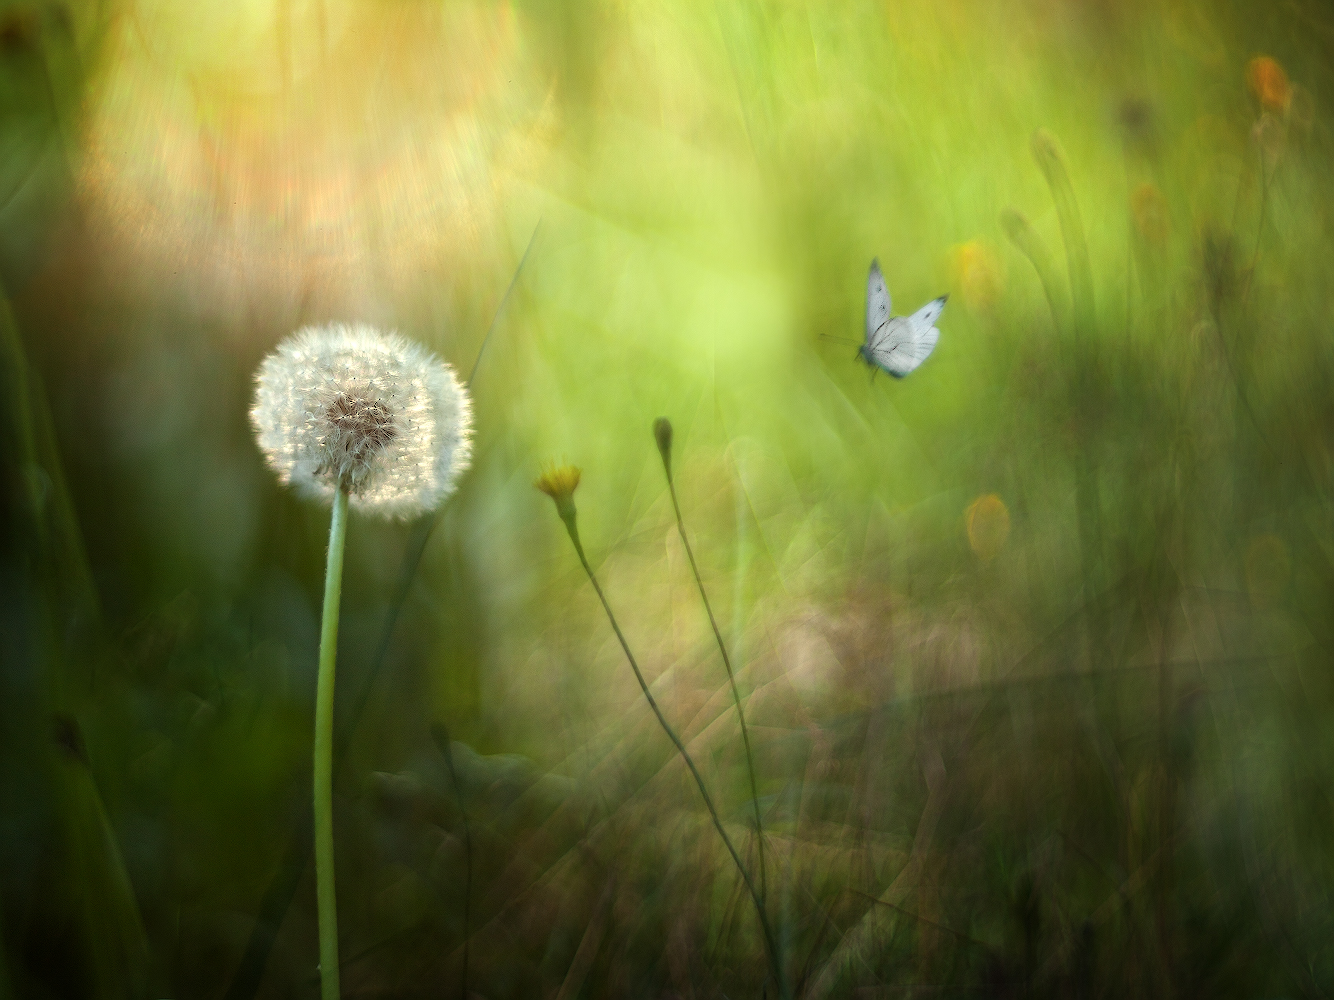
[[897, 344]]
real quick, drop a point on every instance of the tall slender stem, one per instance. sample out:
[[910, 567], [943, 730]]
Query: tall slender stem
[[769, 939], [731, 679], [324, 718]]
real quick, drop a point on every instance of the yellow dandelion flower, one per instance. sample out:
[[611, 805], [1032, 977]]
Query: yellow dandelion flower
[[559, 482]]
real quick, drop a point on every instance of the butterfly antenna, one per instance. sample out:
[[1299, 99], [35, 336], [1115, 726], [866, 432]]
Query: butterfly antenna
[[841, 340]]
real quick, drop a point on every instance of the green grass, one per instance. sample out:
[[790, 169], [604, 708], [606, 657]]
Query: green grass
[[1092, 758]]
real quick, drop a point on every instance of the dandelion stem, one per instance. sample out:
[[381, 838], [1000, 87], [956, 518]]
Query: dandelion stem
[[731, 678], [568, 517], [324, 717]]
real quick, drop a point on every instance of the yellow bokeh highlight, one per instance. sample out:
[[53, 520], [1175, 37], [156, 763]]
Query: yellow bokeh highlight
[[323, 153], [1269, 83], [978, 274], [988, 522]]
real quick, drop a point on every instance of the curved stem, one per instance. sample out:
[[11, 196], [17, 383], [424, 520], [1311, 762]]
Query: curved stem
[[324, 717], [731, 679], [1031, 245], [769, 938]]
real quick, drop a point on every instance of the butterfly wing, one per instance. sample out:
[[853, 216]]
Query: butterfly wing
[[906, 341], [877, 302], [929, 313]]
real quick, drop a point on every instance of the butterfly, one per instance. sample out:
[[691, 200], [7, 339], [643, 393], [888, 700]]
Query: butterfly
[[897, 344]]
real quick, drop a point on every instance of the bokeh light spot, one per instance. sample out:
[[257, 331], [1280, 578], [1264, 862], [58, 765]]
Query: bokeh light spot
[[988, 522], [978, 274], [1269, 83]]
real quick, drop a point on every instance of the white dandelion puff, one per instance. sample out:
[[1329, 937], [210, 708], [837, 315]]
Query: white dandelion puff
[[372, 412]]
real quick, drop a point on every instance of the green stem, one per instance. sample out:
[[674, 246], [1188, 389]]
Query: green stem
[[1084, 406], [568, 517], [324, 718], [1031, 245], [731, 679], [1047, 151]]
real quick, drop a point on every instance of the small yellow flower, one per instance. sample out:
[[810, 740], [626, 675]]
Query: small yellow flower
[[1268, 83], [988, 523], [978, 274], [559, 482]]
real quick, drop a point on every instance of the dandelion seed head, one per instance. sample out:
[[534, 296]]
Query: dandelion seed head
[[372, 411]]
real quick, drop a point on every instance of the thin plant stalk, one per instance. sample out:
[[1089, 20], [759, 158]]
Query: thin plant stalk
[[440, 733], [769, 939], [1032, 246], [1051, 161], [282, 888], [722, 646], [324, 742], [338, 410]]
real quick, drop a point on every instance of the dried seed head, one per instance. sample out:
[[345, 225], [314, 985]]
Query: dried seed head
[[359, 429], [1139, 127], [662, 433], [372, 413]]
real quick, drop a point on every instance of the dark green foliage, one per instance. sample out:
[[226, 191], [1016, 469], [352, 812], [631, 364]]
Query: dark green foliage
[[1034, 646]]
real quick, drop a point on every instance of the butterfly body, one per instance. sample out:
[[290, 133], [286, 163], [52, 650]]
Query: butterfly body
[[897, 344]]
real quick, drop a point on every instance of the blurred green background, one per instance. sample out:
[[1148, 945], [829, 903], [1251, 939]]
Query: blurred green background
[[1034, 645]]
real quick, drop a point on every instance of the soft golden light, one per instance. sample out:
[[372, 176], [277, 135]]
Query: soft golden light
[[331, 155], [978, 273], [1269, 83]]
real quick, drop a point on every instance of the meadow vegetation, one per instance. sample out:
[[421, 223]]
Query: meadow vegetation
[[1035, 647]]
